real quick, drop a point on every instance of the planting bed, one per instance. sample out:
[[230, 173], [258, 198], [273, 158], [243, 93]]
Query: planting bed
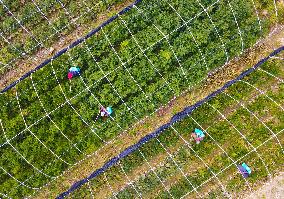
[[28, 26], [243, 124], [135, 64]]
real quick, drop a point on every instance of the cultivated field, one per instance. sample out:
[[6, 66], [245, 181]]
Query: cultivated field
[[242, 125], [31, 30], [148, 56]]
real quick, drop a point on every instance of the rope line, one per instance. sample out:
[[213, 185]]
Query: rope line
[[176, 118], [75, 43]]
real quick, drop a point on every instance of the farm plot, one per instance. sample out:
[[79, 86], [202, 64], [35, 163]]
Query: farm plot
[[27, 26], [243, 124], [135, 64]]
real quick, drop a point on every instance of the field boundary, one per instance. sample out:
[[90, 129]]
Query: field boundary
[[176, 118], [72, 45]]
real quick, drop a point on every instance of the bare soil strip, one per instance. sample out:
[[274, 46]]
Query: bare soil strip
[[104, 192], [149, 124], [270, 190], [22, 66]]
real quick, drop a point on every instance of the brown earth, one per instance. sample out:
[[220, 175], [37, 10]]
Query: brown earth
[[142, 128], [22, 66], [190, 168], [270, 190]]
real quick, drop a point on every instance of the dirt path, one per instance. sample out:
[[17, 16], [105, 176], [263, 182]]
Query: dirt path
[[105, 192], [134, 176], [22, 66], [96, 160], [142, 128], [270, 190]]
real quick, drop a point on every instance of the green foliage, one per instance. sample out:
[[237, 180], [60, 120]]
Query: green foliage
[[63, 18], [72, 106], [221, 132]]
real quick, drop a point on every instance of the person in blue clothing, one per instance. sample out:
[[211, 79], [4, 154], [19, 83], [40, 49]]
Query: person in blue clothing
[[105, 112], [197, 135], [245, 170], [73, 72]]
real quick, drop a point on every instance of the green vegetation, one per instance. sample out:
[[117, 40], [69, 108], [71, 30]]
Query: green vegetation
[[224, 145], [44, 145], [270, 10], [44, 22]]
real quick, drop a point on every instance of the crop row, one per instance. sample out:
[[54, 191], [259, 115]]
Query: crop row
[[47, 21], [53, 120], [28, 28], [227, 140]]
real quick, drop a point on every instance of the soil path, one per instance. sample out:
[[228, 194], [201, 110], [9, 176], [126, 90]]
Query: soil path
[[129, 137], [270, 190], [22, 66], [191, 167]]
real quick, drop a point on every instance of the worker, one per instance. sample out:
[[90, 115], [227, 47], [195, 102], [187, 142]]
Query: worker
[[197, 135], [73, 72], [70, 75], [244, 169], [109, 110], [105, 112]]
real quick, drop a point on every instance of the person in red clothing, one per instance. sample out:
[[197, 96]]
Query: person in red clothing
[[70, 75]]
